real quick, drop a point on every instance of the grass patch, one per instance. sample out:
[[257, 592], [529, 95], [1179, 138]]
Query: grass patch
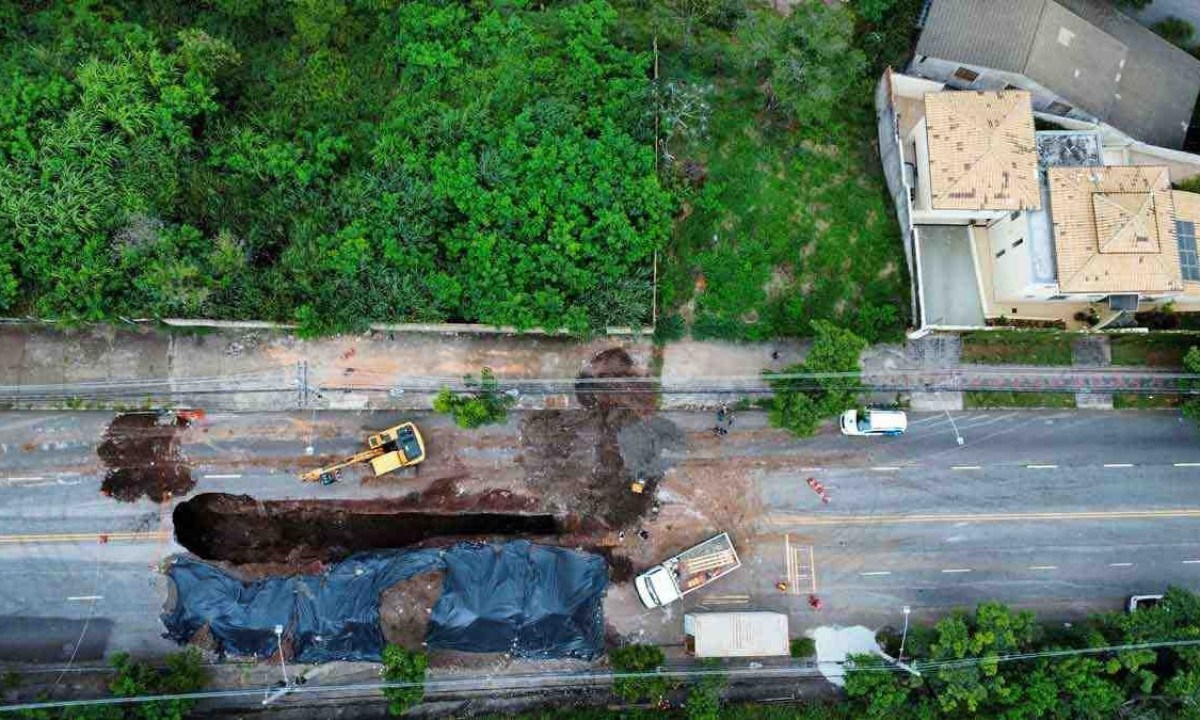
[[1130, 401], [1155, 349], [1017, 347], [790, 223], [1009, 399]]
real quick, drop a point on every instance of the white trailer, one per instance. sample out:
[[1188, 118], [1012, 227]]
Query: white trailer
[[690, 570], [736, 634]]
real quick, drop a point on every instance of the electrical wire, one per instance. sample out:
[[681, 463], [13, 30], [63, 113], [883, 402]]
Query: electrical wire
[[493, 683]]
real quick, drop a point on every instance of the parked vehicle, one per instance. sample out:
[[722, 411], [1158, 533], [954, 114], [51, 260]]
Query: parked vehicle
[[736, 634], [690, 570], [874, 422], [1143, 602]]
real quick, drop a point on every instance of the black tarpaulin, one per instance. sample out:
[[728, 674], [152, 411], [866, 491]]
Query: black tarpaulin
[[529, 600]]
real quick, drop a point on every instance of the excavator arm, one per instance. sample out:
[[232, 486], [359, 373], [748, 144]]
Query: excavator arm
[[362, 457]]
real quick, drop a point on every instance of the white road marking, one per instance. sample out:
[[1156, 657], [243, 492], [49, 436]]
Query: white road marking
[[810, 469], [885, 468], [1043, 567], [68, 482], [74, 598], [1191, 562], [957, 570], [876, 572], [1120, 564], [25, 479], [966, 467], [221, 477], [1188, 464], [1041, 467], [1118, 465]]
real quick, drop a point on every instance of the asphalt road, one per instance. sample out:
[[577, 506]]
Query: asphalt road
[[1065, 512]]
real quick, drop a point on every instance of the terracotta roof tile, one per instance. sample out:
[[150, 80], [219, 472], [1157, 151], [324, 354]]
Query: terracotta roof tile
[[982, 153]]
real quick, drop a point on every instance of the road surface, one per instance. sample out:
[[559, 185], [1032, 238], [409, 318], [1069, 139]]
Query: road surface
[[1064, 512]]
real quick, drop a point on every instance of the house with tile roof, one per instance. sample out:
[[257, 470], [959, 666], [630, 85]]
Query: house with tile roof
[[1005, 221], [1081, 59]]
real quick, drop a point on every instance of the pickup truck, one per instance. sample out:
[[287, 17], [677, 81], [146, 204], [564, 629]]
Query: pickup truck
[[690, 570]]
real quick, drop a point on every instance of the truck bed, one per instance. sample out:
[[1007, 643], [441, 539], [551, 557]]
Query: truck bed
[[700, 565]]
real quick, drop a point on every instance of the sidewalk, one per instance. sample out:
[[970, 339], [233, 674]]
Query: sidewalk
[[266, 370]]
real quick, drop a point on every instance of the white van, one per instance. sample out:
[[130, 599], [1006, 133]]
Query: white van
[[874, 422]]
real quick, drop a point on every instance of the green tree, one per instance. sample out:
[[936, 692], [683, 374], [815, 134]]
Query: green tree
[[1175, 30], [486, 405], [704, 697], [873, 10], [818, 69], [403, 666], [639, 659], [800, 405], [1191, 363]]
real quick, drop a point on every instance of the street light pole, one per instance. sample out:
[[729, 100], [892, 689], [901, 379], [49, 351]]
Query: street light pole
[[287, 685], [904, 635], [957, 437]]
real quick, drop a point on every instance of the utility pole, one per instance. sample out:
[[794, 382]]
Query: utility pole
[[274, 695]]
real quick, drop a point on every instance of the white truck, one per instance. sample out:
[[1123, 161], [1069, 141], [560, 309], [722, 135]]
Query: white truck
[[690, 570], [736, 634]]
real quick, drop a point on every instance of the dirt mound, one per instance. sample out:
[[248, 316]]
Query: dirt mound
[[239, 529], [405, 607], [142, 454], [600, 388]]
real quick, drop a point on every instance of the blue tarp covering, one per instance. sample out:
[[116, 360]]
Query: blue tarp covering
[[533, 601]]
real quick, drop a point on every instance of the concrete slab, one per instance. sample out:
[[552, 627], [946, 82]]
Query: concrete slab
[[691, 361], [12, 355], [935, 401], [43, 359], [1094, 401], [948, 285]]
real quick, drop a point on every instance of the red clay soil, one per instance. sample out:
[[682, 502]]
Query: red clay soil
[[404, 609], [142, 454]]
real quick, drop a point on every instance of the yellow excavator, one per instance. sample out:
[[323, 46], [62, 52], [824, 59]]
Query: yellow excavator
[[387, 450]]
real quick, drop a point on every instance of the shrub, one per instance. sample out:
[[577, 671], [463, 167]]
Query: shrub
[[638, 659], [1175, 30], [802, 647], [486, 406], [400, 665], [800, 405]]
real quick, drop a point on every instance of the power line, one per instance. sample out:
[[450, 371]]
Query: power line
[[503, 683]]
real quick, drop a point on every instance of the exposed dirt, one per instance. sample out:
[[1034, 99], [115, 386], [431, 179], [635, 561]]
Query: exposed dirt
[[239, 529], [405, 607], [584, 461], [143, 457], [599, 386]]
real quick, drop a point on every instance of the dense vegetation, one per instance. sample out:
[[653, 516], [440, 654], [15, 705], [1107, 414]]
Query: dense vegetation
[[336, 162], [328, 161]]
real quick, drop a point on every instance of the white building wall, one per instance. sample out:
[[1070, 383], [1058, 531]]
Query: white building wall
[[1007, 243]]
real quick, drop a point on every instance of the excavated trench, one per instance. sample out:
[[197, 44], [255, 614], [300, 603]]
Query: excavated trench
[[239, 529]]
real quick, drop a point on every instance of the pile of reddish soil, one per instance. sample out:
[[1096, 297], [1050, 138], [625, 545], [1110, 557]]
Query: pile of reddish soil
[[239, 529], [404, 609], [142, 454], [600, 388]]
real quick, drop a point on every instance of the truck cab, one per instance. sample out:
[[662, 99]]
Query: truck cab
[[656, 587]]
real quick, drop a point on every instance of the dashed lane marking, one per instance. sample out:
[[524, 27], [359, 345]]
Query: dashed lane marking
[[808, 520], [1187, 464], [966, 467], [82, 598], [956, 570], [1118, 465], [1191, 562], [875, 573], [1041, 467], [1120, 564], [221, 477], [1043, 567], [885, 468]]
